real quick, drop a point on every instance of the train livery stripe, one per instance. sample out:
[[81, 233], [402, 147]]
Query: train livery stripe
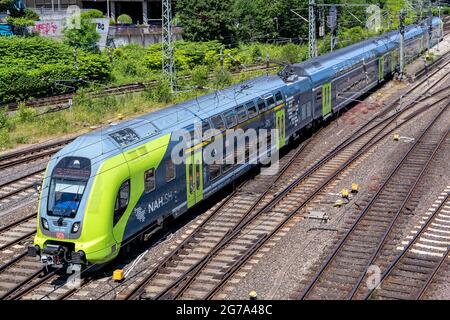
[[280, 126], [194, 178], [326, 99]]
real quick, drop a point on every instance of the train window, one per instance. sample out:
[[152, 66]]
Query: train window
[[122, 200], [218, 123], [279, 97], [149, 180], [205, 127], [251, 108], [261, 105], [170, 170], [228, 162], [319, 96], [214, 171], [230, 118], [241, 113], [251, 149], [270, 101]]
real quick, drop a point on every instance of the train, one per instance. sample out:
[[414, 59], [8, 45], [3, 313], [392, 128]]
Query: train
[[114, 185]]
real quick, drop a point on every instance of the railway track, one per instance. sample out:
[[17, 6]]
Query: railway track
[[20, 189], [200, 280], [22, 277], [17, 232], [423, 256], [18, 273], [27, 155], [342, 274], [220, 222]]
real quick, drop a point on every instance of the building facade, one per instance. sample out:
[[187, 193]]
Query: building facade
[[141, 11]]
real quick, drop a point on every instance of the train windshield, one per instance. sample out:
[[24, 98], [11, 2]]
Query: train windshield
[[65, 197], [67, 185]]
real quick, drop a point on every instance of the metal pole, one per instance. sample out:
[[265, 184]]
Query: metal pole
[[402, 43], [430, 27], [312, 29], [108, 14], [221, 59], [168, 63]]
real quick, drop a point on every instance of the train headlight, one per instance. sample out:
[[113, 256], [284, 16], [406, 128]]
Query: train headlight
[[44, 223], [75, 227]]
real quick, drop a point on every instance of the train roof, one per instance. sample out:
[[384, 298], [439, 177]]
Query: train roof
[[102, 144], [323, 68]]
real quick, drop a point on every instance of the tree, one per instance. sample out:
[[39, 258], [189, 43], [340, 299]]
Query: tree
[[6, 5], [204, 20], [85, 37]]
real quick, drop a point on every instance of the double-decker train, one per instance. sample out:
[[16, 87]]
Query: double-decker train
[[111, 185]]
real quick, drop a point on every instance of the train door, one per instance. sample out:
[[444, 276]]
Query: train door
[[194, 177], [280, 126], [326, 99], [381, 68], [394, 60]]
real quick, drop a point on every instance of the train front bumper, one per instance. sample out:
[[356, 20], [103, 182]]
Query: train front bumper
[[58, 253]]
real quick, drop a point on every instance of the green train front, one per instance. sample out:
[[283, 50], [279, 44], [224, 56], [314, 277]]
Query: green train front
[[90, 189]]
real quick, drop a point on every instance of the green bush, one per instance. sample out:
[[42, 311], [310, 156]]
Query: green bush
[[93, 14], [25, 114], [86, 36], [124, 19], [161, 92], [5, 121], [222, 78], [30, 14], [33, 64], [4, 138], [200, 76]]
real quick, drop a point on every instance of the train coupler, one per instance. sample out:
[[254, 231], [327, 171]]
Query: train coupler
[[33, 251]]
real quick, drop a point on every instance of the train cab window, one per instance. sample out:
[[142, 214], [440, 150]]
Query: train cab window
[[230, 118], [170, 170], [279, 97], [261, 105], [251, 109], [241, 114], [270, 101], [123, 197], [65, 197], [218, 123], [149, 180], [67, 185]]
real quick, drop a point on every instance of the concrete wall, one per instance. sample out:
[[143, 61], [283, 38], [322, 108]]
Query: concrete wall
[[141, 35], [141, 11]]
